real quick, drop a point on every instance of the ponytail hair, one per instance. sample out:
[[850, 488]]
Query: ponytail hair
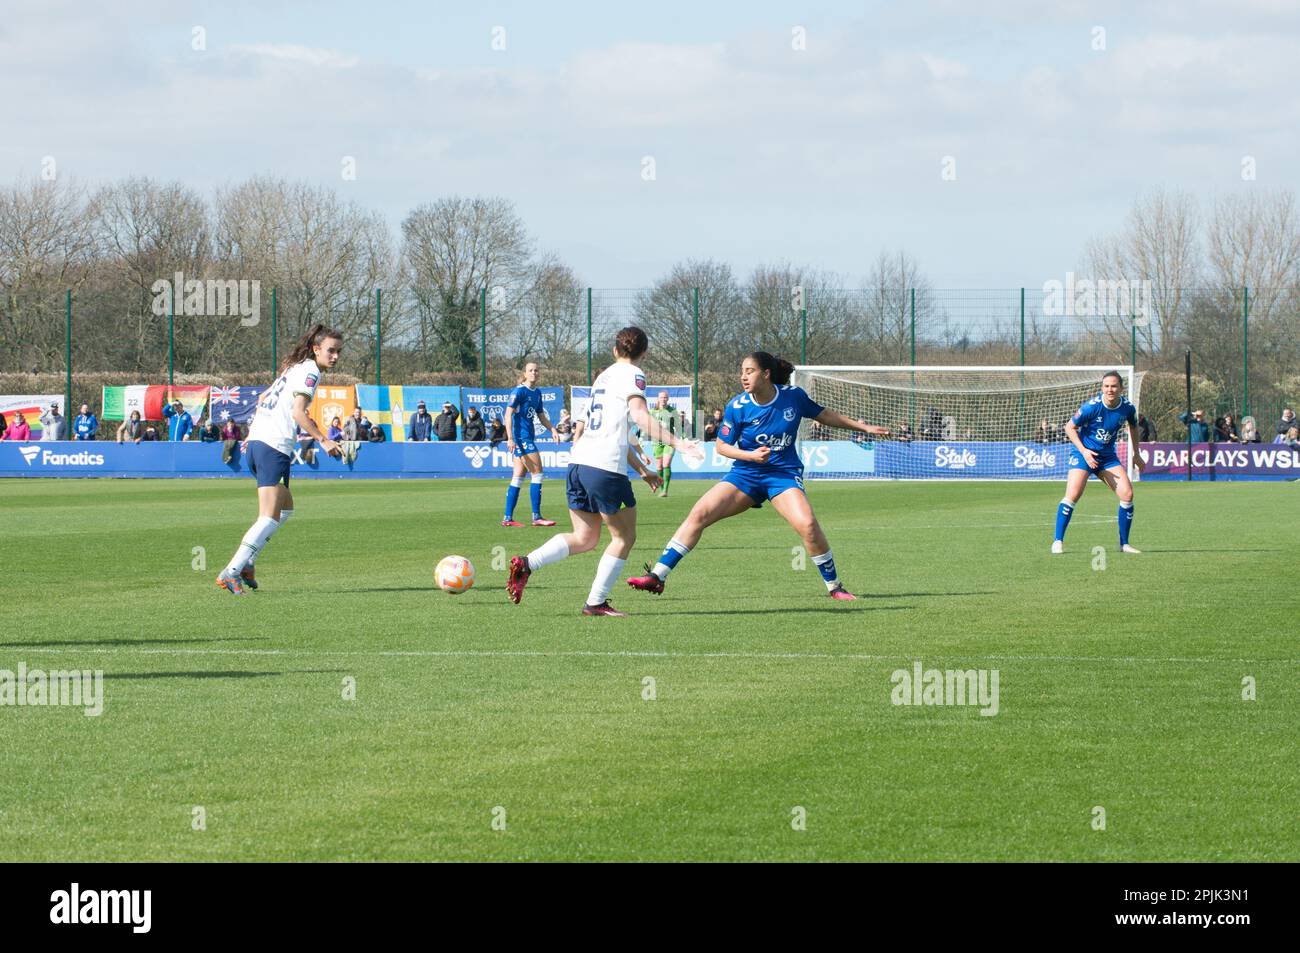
[[304, 349], [778, 367]]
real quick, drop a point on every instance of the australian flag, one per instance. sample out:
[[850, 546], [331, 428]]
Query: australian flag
[[234, 403]]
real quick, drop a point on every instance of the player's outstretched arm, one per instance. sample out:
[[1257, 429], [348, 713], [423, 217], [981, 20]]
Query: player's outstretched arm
[[546, 423], [636, 406], [303, 420], [833, 418]]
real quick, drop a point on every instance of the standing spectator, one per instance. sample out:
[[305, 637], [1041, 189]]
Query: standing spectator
[[3, 424], [563, 427], [1291, 438], [474, 429], [498, 434], [1146, 430], [1249, 432], [1197, 426], [150, 434], [180, 422], [1286, 423], [85, 426], [335, 432], [444, 425], [53, 424], [132, 429], [904, 433], [357, 427], [712, 427], [18, 430], [210, 432], [1226, 429], [1046, 432], [421, 424], [377, 434]]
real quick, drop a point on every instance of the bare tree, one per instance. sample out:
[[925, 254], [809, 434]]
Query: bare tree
[[454, 249], [146, 231], [46, 247], [552, 318], [324, 256], [667, 314], [884, 329], [1158, 243]]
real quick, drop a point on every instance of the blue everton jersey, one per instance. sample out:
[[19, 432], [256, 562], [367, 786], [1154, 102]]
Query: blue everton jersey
[[749, 425], [1099, 425], [527, 404]]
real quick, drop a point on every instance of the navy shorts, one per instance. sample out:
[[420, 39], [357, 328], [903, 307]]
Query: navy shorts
[[269, 465], [524, 446], [593, 490]]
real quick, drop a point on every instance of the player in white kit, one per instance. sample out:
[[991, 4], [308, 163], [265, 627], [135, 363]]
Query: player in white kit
[[598, 488], [271, 439]]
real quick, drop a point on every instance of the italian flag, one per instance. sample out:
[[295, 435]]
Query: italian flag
[[150, 399]]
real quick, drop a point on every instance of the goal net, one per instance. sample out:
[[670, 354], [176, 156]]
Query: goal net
[[951, 422]]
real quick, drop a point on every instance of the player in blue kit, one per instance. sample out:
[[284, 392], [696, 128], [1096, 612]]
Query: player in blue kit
[[758, 432], [1093, 431], [522, 413]]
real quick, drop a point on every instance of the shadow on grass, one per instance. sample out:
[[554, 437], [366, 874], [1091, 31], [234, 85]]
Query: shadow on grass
[[93, 643], [121, 676], [839, 608]]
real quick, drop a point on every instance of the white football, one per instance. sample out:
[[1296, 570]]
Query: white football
[[454, 574]]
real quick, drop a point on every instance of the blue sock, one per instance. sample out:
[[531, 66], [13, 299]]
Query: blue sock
[[825, 564], [1125, 521], [535, 494], [1063, 513], [512, 497], [672, 555]]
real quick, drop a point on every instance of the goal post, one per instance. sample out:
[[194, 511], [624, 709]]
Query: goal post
[[956, 422]]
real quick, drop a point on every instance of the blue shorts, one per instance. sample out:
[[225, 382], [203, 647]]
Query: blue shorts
[[524, 445], [593, 490], [1105, 460], [763, 486], [269, 465]]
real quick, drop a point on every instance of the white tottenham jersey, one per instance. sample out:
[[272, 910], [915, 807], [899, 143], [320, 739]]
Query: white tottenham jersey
[[273, 424], [604, 439]]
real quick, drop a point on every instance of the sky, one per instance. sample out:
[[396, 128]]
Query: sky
[[989, 145]]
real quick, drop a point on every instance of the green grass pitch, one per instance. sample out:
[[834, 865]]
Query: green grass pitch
[[1119, 688]]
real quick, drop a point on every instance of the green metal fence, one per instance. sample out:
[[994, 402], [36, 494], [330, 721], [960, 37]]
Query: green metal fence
[[1243, 340]]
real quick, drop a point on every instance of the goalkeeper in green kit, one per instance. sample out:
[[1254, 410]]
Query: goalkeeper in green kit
[[666, 416]]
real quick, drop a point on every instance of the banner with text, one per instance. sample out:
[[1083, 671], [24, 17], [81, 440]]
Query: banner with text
[[493, 402], [1221, 461], [31, 406]]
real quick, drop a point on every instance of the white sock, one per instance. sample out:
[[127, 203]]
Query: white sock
[[551, 551], [516, 482], [256, 537], [606, 575], [284, 518], [535, 478]]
